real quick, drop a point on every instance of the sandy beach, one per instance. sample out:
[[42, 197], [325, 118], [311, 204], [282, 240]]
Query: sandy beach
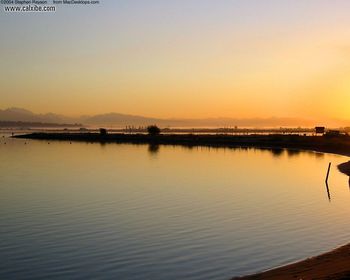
[[333, 265]]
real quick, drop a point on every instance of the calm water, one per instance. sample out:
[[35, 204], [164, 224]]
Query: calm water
[[91, 211]]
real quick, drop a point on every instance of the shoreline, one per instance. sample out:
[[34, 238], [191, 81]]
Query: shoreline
[[331, 265], [337, 144]]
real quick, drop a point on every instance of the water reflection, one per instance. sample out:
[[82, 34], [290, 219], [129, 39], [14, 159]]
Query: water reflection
[[113, 212], [277, 152], [328, 192], [319, 155], [292, 153], [102, 144], [153, 149]]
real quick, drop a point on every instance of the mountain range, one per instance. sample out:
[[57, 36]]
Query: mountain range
[[122, 120]]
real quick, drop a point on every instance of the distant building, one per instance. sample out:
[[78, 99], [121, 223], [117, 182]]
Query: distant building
[[320, 129]]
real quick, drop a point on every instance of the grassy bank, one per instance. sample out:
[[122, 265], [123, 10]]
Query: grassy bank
[[337, 144]]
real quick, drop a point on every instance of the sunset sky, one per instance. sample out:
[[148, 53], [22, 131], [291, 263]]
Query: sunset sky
[[180, 58]]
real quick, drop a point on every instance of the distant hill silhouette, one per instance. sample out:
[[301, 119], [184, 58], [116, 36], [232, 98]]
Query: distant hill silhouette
[[20, 124], [23, 115], [121, 120], [118, 119]]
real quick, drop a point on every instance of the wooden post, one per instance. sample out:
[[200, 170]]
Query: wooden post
[[328, 193], [329, 169]]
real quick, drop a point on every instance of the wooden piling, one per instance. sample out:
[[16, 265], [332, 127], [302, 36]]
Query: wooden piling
[[329, 169]]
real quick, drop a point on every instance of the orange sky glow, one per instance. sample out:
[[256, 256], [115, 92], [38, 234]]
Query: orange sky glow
[[182, 59]]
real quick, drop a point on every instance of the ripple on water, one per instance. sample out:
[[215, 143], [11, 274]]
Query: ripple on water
[[86, 211]]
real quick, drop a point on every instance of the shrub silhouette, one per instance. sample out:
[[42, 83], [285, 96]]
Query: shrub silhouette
[[103, 131], [153, 130]]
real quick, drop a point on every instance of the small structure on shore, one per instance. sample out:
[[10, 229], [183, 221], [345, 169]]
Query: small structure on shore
[[320, 130]]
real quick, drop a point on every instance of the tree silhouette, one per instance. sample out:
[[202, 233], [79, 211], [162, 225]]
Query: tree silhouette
[[153, 130], [103, 131]]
